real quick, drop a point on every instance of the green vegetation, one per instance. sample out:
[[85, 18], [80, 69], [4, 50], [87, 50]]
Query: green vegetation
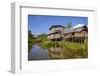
[[32, 39], [49, 44], [41, 38], [75, 50]]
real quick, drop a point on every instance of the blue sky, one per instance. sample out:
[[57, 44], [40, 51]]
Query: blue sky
[[41, 23]]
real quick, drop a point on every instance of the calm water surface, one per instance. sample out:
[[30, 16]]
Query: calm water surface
[[37, 53]]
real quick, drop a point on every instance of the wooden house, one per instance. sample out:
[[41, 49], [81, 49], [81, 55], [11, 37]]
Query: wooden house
[[56, 33], [77, 33]]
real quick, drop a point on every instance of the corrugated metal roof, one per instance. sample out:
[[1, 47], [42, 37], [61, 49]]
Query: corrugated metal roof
[[76, 28]]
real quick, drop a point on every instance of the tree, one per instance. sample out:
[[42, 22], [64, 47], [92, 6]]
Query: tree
[[30, 35], [69, 25], [42, 37], [30, 40]]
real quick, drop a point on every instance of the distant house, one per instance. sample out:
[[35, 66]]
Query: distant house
[[78, 33], [56, 33]]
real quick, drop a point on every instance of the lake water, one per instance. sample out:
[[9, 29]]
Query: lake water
[[38, 53]]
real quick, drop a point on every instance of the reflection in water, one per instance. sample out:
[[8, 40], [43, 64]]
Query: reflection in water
[[55, 53], [59, 53], [38, 53]]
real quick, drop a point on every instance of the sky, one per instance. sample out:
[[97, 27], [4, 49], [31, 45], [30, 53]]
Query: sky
[[40, 24]]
